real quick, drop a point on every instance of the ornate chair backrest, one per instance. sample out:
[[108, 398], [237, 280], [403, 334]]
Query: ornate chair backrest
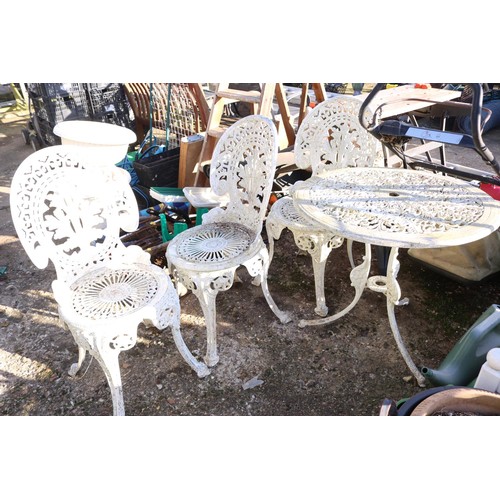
[[243, 166], [331, 137], [70, 213]]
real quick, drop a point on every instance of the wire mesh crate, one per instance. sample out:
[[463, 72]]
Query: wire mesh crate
[[60, 108], [52, 103], [109, 103], [103, 86], [54, 89]]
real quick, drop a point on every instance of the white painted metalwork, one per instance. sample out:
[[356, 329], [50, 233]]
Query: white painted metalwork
[[205, 258], [398, 209], [70, 213], [329, 138]]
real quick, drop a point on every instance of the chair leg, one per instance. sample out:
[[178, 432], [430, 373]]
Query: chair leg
[[319, 247], [206, 287], [207, 302], [270, 240], [324, 245], [168, 315], [75, 367], [99, 345], [201, 369], [273, 232], [108, 360], [319, 266], [259, 267], [257, 281]]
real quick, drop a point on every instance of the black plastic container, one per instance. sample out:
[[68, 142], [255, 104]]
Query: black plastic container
[[159, 170]]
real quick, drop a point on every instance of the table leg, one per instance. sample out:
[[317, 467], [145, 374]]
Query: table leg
[[383, 284], [393, 294], [359, 278]]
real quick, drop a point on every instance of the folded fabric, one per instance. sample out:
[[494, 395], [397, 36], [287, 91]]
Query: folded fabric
[[464, 122]]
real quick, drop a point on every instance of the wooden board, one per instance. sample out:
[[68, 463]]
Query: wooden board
[[189, 156]]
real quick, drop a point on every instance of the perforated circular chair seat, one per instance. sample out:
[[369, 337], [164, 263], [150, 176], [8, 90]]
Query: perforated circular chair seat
[[285, 214], [113, 293], [211, 245]]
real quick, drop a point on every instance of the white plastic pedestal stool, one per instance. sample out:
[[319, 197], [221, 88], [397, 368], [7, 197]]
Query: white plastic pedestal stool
[[71, 214], [205, 258], [489, 375], [101, 143], [330, 137]]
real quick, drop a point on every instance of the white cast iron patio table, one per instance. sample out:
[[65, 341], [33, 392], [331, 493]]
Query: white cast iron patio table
[[396, 208]]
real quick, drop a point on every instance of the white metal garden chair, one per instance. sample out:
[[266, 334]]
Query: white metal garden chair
[[330, 137], [71, 214], [205, 258]]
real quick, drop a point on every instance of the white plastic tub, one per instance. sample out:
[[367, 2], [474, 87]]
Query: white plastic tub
[[104, 144]]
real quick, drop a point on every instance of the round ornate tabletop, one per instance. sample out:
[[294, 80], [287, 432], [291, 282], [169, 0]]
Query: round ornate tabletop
[[398, 207]]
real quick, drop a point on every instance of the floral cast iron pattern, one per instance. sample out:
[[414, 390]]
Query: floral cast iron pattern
[[332, 137], [243, 166], [71, 214], [409, 202]]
